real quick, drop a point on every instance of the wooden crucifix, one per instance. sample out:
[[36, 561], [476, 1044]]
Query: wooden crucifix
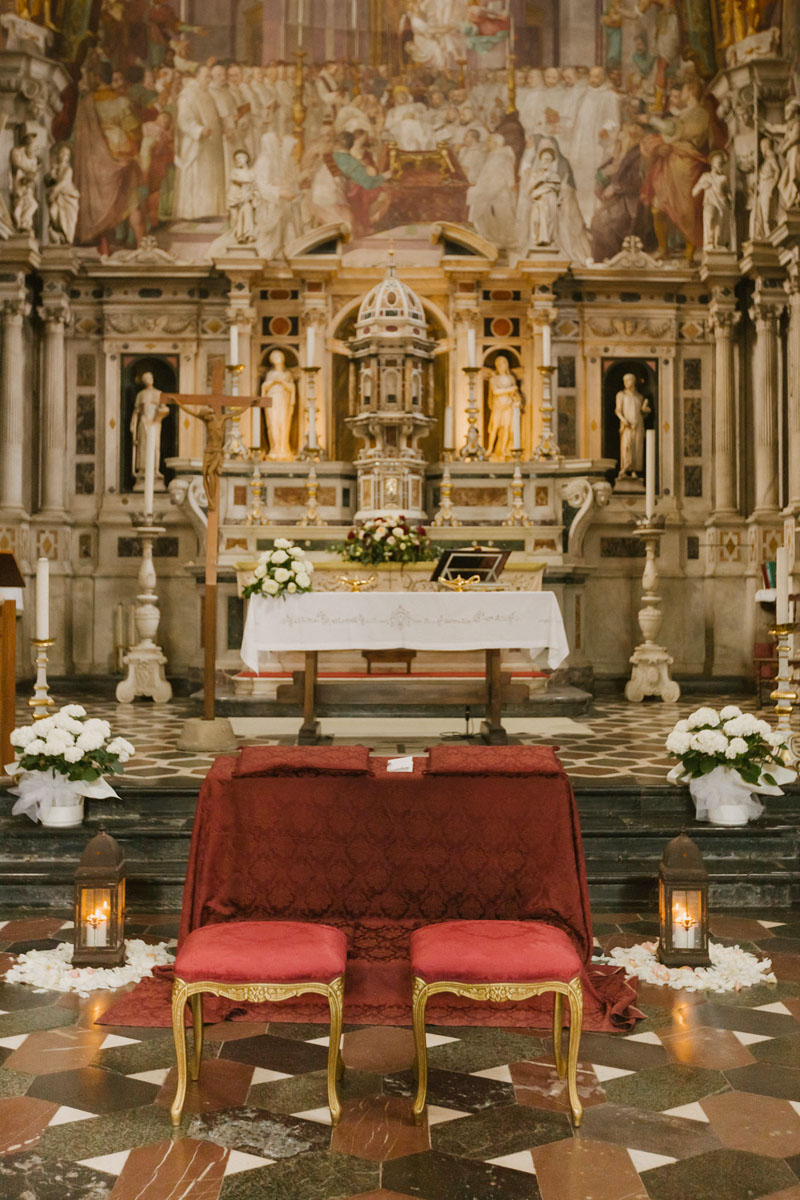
[[214, 410]]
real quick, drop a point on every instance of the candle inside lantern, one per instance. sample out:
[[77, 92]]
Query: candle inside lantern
[[682, 924], [650, 472], [97, 921], [471, 348], [782, 586], [149, 468], [43, 599], [310, 332], [448, 428], [546, 345], [234, 344]]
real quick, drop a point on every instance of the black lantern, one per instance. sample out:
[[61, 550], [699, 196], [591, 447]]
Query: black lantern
[[100, 904], [683, 905]]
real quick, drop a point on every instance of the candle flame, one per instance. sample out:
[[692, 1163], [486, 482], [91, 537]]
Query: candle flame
[[98, 916], [683, 919]]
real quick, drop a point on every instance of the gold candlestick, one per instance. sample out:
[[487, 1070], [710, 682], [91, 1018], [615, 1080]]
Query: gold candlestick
[[785, 696], [517, 514], [548, 446], [41, 701], [312, 514], [446, 515], [255, 513], [311, 449], [472, 450]]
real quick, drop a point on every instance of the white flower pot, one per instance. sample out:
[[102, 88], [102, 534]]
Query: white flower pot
[[49, 797], [63, 815], [723, 798]]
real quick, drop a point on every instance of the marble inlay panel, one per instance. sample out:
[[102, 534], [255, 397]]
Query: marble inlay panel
[[29, 1177], [22, 1119], [584, 1168], [379, 1128], [758, 1124], [181, 1170]]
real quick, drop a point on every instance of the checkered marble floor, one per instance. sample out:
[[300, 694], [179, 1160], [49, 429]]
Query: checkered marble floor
[[701, 1101], [615, 741]]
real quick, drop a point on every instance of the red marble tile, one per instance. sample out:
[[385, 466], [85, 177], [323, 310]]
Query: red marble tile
[[537, 1085], [181, 1170], [51, 1050], [758, 1124], [790, 1193], [230, 1031], [30, 929], [22, 1119], [383, 1049], [702, 1046], [786, 966], [222, 1084], [749, 930], [379, 1128], [580, 1169]]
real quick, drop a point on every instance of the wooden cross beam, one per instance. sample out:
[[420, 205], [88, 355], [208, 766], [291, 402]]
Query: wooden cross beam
[[214, 410]]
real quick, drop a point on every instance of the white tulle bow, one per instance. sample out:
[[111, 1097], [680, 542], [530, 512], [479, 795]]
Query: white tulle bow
[[40, 791]]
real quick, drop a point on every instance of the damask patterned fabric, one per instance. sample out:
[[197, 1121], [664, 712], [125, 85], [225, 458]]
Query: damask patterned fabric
[[306, 760], [493, 951], [493, 760], [262, 952]]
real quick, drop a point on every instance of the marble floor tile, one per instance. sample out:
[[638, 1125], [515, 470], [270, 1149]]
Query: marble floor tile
[[758, 1124], [748, 1020], [782, 1051], [22, 1119], [656, 1133], [256, 1131], [484, 1049], [665, 1087], [446, 1177], [451, 1089], [318, 1175], [582, 1168], [25, 1176], [537, 1085], [93, 1090], [281, 1054], [766, 1079], [57, 1050], [500, 1131], [106, 1134], [705, 1047], [381, 1049], [221, 1084], [613, 1051], [719, 1175], [379, 1128], [172, 1170]]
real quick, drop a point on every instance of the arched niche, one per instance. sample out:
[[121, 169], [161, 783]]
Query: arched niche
[[164, 369], [290, 358], [513, 356], [613, 372]]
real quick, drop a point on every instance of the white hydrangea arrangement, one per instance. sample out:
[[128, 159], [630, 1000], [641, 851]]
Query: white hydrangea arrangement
[[70, 743], [730, 738], [388, 539], [281, 570]]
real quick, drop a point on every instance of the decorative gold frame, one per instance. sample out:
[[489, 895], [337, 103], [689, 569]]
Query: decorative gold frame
[[255, 993], [504, 992]]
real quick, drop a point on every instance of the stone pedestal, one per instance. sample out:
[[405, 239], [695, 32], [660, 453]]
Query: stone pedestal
[[145, 661]]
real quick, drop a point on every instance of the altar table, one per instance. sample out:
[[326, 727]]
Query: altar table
[[450, 621], [378, 853]]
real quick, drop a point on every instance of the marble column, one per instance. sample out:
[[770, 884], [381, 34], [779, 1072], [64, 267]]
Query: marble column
[[793, 383], [766, 315], [723, 322], [12, 404], [55, 315]]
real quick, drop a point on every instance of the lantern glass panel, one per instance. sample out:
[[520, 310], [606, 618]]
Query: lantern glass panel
[[686, 918], [95, 915]]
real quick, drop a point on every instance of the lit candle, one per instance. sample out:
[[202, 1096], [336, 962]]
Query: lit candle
[[650, 472], [43, 599], [299, 24], [310, 345], [97, 933], [234, 344], [781, 585], [312, 422], [149, 468], [255, 428], [546, 345], [448, 428], [471, 348], [682, 925], [517, 428]]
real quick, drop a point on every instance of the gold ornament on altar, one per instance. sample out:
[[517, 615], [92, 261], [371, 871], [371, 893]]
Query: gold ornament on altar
[[460, 584], [358, 584]]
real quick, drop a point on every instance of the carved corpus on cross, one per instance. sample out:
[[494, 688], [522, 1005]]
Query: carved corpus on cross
[[213, 410]]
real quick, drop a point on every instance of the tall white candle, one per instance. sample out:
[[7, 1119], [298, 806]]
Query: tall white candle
[[517, 426], [545, 345], [781, 585], [312, 423], [310, 332], [43, 599], [234, 344], [255, 427], [650, 472], [300, 19], [471, 349], [448, 428], [149, 469]]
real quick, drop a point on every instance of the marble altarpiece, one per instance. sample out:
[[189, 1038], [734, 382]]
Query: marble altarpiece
[[711, 331]]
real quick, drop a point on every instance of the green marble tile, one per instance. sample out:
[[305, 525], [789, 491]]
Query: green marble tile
[[30, 1020], [144, 1056], [498, 1131], [316, 1176], [485, 1048], [720, 1175], [665, 1087], [106, 1134], [299, 1093], [29, 1177], [782, 1051], [14, 1083], [435, 1176]]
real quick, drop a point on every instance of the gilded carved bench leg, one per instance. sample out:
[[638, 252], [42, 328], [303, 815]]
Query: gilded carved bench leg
[[420, 1046], [558, 1028], [179, 998], [196, 1002], [335, 1065], [575, 994]]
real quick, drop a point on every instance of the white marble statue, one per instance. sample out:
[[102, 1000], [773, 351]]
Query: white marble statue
[[788, 150], [280, 388], [24, 178], [544, 191], [147, 410], [630, 409], [716, 192], [242, 198], [504, 396], [63, 197], [764, 196]]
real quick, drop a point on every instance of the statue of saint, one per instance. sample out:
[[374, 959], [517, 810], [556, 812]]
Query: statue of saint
[[24, 175], [63, 197], [147, 410], [280, 388], [242, 198], [716, 202], [504, 396], [544, 190], [630, 410]]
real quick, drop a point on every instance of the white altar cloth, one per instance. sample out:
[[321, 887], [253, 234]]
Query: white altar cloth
[[406, 620]]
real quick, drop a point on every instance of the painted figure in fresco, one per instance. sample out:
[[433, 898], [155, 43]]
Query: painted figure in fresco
[[666, 44], [276, 173], [620, 212], [630, 409], [242, 198], [199, 159], [544, 190], [765, 196], [63, 197], [597, 124], [491, 198], [715, 189], [24, 177], [279, 387], [147, 410], [788, 150], [504, 395]]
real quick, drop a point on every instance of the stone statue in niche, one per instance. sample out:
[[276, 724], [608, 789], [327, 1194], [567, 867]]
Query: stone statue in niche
[[63, 197], [147, 410], [630, 409], [544, 192], [788, 150], [24, 178], [504, 396], [716, 192], [279, 386], [764, 197], [242, 199]]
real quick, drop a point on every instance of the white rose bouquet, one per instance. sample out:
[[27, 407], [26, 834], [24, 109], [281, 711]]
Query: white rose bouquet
[[385, 539], [284, 568], [727, 753]]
